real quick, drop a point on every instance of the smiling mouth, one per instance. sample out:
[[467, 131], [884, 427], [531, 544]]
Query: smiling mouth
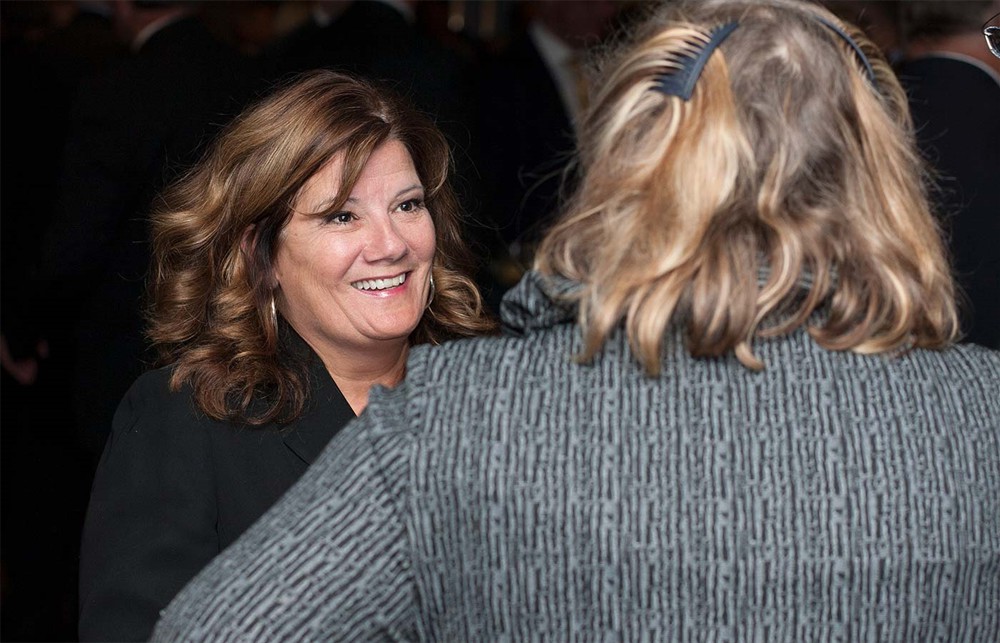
[[379, 284]]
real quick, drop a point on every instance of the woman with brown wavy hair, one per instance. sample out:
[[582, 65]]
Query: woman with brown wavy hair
[[293, 269], [734, 409]]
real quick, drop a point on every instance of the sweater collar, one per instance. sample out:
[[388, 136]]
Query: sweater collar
[[541, 301], [538, 302]]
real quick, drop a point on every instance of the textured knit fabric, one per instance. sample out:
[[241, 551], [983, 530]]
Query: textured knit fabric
[[506, 493]]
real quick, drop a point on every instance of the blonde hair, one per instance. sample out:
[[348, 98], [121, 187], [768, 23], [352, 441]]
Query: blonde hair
[[217, 229], [787, 184]]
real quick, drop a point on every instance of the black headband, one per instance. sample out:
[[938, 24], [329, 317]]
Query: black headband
[[680, 82]]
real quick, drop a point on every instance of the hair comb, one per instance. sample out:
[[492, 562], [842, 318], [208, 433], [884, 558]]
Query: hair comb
[[680, 82], [853, 45]]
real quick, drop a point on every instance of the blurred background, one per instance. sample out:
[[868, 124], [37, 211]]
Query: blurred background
[[103, 103]]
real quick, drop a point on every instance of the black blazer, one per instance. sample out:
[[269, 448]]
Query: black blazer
[[174, 488]]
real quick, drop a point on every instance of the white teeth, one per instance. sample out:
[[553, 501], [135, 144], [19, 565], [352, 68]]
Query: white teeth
[[379, 284]]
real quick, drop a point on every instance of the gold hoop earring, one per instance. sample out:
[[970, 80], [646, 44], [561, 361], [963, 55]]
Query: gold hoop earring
[[430, 296], [274, 312]]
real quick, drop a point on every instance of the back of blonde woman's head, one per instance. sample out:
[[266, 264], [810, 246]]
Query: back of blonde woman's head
[[788, 183]]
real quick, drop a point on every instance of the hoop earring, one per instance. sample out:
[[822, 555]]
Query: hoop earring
[[430, 297], [274, 312]]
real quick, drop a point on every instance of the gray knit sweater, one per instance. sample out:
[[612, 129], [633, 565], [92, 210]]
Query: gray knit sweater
[[505, 493]]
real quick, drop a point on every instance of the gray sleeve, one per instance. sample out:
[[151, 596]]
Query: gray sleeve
[[329, 561]]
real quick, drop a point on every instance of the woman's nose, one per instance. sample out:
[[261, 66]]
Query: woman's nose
[[386, 242]]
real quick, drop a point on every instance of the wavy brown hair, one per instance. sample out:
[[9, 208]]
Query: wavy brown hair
[[788, 183], [216, 231]]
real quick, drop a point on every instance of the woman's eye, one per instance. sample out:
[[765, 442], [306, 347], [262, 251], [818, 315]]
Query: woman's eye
[[339, 217], [411, 205]]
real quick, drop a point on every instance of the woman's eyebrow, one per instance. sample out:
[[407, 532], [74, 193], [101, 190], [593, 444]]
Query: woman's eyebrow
[[328, 203], [415, 186]]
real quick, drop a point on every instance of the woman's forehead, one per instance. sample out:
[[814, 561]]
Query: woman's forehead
[[389, 162]]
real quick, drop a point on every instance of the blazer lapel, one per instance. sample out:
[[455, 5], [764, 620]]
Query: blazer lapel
[[326, 412]]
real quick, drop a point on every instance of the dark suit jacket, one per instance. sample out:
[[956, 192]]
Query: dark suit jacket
[[174, 488], [525, 140], [134, 127], [955, 106], [376, 41]]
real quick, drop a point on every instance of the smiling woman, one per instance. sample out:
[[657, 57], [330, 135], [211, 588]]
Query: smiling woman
[[293, 269], [361, 274]]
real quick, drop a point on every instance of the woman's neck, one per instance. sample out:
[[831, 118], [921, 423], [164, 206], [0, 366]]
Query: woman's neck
[[356, 372]]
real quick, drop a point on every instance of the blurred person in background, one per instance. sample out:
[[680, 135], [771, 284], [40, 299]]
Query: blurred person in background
[[134, 126], [530, 102], [48, 50], [953, 83]]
